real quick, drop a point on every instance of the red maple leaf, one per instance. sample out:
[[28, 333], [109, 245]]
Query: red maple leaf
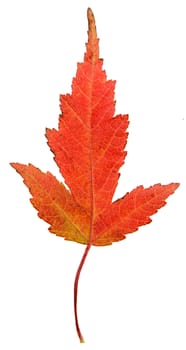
[[89, 151]]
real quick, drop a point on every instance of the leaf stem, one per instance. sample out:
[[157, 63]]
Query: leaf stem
[[76, 291]]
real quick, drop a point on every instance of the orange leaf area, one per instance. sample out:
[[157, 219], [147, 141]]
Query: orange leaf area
[[89, 149], [57, 206]]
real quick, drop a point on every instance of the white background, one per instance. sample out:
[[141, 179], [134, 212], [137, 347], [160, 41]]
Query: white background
[[132, 294]]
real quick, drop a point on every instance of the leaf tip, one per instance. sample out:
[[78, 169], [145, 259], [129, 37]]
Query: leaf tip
[[177, 184], [14, 165], [92, 53], [174, 186], [91, 20]]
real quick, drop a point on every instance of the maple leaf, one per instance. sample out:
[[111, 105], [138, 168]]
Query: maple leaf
[[89, 150]]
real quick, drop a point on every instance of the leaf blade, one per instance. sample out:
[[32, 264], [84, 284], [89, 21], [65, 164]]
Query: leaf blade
[[130, 212], [55, 204], [89, 144]]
